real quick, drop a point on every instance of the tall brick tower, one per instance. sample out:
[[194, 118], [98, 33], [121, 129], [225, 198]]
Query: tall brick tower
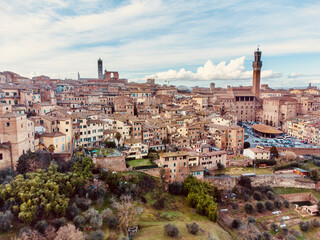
[[257, 64], [100, 68]]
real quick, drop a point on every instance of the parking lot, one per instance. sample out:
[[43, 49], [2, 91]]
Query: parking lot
[[282, 141]]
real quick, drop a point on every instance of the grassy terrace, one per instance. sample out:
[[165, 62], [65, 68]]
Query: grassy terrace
[[235, 171], [140, 162], [280, 190]]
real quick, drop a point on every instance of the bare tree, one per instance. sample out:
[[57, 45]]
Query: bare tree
[[69, 232], [126, 212]]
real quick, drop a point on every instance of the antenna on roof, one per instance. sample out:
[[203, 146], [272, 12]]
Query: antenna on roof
[[258, 47]]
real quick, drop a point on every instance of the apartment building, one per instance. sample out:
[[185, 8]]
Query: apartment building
[[176, 165]]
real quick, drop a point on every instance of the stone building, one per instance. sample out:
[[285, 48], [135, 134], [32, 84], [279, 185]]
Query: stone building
[[16, 136]]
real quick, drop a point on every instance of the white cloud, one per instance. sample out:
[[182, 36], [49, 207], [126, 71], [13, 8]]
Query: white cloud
[[222, 71]]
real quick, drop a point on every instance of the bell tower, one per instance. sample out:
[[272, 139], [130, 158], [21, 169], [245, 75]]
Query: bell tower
[[257, 64], [100, 68]]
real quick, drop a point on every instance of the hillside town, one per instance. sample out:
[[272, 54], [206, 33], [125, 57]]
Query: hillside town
[[135, 147], [205, 126]]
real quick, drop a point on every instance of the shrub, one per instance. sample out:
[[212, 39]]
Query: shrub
[[248, 208], [257, 196], [72, 211], [235, 206], [274, 227], [193, 228], [277, 204], [304, 226], [41, 226], [112, 221], [270, 195], [171, 230], [176, 188], [260, 207], [159, 204], [286, 203], [96, 235], [83, 203], [5, 221], [269, 205], [266, 236], [79, 222], [59, 222], [143, 200], [236, 223]]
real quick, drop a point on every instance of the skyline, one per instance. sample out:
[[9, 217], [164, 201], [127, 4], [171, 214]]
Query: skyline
[[211, 42]]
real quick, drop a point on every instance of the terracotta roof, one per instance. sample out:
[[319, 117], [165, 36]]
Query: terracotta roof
[[53, 134], [196, 168]]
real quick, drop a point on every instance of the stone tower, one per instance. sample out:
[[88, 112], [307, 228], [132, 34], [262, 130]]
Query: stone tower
[[257, 64], [100, 67]]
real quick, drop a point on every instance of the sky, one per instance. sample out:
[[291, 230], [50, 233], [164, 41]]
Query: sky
[[191, 42]]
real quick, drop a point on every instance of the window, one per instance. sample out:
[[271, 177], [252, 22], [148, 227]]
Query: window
[[7, 124], [1, 157]]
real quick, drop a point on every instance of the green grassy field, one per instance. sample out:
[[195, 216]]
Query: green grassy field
[[279, 190], [140, 162], [152, 222], [240, 170]]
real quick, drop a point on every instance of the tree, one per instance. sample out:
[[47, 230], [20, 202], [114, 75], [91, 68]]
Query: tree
[[126, 212], [118, 137], [248, 208], [314, 175], [94, 218], [235, 206], [220, 166], [304, 226], [269, 205], [274, 152], [83, 167], [5, 221], [96, 235], [51, 148], [277, 204], [41, 226], [270, 195], [72, 211], [257, 196], [245, 181], [23, 165], [193, 228], [76, 137], [260, 207], [236, 223], [171, 230], [41, 194], [246, 145], [79, 222], [59, 222], [69, 232]]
